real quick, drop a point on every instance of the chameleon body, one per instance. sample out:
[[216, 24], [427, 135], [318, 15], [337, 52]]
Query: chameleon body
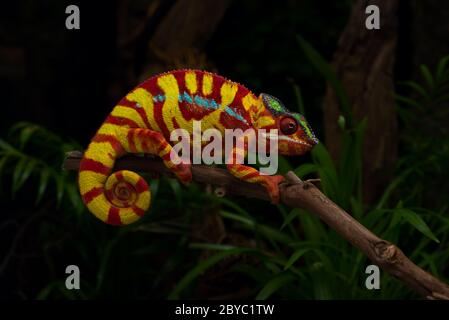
[[142, 122]]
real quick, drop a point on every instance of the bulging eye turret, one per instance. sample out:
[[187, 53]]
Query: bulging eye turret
[[288, 126]]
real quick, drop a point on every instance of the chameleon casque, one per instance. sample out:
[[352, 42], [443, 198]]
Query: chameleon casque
[[142, 121]]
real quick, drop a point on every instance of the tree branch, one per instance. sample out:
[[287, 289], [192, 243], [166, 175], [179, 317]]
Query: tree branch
[[300, 194]]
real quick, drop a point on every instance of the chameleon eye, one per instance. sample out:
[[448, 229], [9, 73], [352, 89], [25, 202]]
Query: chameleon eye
[[288, 126]]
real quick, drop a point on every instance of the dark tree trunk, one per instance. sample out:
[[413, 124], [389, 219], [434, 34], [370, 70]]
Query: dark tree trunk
[[364, 63]]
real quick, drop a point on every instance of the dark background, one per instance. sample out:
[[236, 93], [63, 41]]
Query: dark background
[[63, 83]]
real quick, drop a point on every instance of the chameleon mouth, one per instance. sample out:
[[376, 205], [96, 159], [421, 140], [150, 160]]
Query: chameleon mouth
[[287, 139]]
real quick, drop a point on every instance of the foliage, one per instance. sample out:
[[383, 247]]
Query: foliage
[[290, 254]]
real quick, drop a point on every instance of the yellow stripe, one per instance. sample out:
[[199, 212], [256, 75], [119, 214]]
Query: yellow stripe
[[207, 84], [249, 101], [128, 113], [100, 206], [228, 91], [101, 152], [145, 99], [166, 150], [109, 128], [265, 121], [170, 109], [89, 179], [190, 79], [127, 215]]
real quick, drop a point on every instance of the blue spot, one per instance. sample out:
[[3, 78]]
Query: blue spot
[[214, 104], [158, 98], [237, 116], [187, 98]]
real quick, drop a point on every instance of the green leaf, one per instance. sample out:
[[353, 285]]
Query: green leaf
[[6, 146], [211, 246], [415, 220], [407, 101], [312, 226], [295, 256], [396, 218], [305, 169], [236, 217], [59, 179], [26, 134], [273, 285], [3, 161], [74, 196], [441, 68], [427, 77], [418, 88], [341, 123], [16, 177], [284, 165], [176, 187], [31, 164], [43, 183], [292, 215]]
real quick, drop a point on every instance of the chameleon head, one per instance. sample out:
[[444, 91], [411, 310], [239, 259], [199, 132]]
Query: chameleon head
[[295, 136]]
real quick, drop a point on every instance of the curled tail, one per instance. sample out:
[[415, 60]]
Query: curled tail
[[117, 198]]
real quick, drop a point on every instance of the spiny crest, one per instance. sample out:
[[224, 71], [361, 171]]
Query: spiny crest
[[277, 108], [274, 105]]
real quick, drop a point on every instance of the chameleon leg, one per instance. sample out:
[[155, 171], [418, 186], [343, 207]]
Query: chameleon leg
[[140, 140], [249, 174]]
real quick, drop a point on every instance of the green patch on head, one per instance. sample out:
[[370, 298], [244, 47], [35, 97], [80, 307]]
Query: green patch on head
[[273, 104], [305, 126]]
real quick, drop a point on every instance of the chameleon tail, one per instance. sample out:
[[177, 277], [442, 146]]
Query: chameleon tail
[[118, 198]]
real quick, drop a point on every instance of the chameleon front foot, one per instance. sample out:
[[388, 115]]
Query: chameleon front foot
[[271, 183]]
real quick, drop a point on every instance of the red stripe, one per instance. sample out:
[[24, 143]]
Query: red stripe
[[132, 145], [119, 176], [238, 103], [180, 78], [158, 117], [216, 91], [161, 147], [185, 177], [132, 105], [114, 216], [91, 194], [109, 195], [127, 103], [112, 140], [143, 115], [92, 165], [121, 121], [139, 211], [153, 88], [141, 186], [145, 146], [166, 157], [175, 123], [199, 81]]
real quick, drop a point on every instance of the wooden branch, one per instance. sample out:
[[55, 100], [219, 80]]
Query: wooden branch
[[301, 194]]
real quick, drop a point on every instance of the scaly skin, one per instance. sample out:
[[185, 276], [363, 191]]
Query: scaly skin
[[142, 121]]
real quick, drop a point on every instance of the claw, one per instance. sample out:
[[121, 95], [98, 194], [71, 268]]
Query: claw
[[271, 183], [184, 172]]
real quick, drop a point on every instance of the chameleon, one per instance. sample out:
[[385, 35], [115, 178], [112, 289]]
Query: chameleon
[[142, 121]]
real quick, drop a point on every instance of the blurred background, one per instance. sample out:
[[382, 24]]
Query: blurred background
[[377, 99]]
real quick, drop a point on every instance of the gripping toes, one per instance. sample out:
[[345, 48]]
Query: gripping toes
[[271, 183]]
